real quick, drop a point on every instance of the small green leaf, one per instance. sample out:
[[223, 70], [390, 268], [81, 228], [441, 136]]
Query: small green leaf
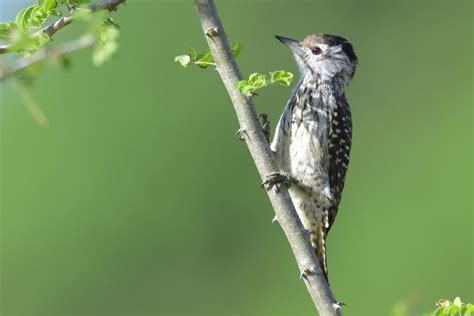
[[20, 19], [204, 59], [236, 48], [103, 52], [82, 14], [470, 307], [452, 310], [6, 29], [50, 5], [440, 311], [257, 81], [184, 60], [281, 77], [457, 302], [192, 53]]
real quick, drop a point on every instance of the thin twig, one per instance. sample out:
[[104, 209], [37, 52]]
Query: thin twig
[[50, 30], [297, 235], [45, 53], [30, 103]]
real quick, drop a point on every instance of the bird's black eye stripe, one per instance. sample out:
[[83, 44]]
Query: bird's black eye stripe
[[316, 50]]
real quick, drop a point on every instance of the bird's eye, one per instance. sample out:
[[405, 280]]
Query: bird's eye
[[316, 50]]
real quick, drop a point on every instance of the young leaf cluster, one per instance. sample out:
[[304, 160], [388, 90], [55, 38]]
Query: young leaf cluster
[[204, 58], [34, 25], [454, 308], [257, 81], [107, 35], [29, 20]]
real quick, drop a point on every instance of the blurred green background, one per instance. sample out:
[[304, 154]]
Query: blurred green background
[[139, 200]]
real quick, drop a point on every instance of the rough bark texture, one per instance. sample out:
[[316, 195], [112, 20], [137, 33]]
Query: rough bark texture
[[263, 157]]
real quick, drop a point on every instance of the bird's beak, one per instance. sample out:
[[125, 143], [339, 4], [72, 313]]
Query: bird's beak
[[292, 44]]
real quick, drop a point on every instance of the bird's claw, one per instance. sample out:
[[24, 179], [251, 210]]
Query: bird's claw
[[275, 180]]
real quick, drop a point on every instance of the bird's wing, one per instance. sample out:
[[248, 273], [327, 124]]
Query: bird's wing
[[283, 127], [340, 141]]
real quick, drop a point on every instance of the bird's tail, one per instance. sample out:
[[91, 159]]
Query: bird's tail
[[318, 241]]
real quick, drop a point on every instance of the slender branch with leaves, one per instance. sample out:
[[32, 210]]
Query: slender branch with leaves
[[240, 91], [30, 35]]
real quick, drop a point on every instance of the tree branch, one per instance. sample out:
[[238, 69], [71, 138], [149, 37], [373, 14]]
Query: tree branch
[[50, 30], [45, 53], [263, 157]]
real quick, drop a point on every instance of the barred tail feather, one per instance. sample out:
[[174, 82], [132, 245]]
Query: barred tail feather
[[318, 241]]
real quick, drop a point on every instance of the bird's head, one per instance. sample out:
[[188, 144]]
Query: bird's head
[[323, 55]]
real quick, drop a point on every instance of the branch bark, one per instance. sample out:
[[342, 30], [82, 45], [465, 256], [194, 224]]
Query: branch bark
[[296, 234], [50, 30]]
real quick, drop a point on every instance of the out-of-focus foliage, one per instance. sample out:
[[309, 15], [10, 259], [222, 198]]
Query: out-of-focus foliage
[[107, 35], [27, 34], [444, 308], [453, 308]]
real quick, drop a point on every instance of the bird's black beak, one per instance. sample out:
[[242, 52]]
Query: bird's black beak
[[292, 44]]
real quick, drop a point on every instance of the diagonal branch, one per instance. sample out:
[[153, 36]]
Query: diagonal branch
[[263, 157], [45, 53], [50, 30]]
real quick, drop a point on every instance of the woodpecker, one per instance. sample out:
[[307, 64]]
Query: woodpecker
[[312, 141]]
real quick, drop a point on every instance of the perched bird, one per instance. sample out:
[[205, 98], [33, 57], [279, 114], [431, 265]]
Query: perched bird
[[313, 138]]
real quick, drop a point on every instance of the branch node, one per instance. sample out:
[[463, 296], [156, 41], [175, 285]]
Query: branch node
[[338, 305], [212, 32], [275, 220], [241, 133], [307, 272]]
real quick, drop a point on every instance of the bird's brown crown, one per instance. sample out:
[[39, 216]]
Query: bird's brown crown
[[331, 40]]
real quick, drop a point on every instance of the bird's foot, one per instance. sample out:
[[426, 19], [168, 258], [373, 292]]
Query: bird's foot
[[276, 180], [265, 123], [308, 271]]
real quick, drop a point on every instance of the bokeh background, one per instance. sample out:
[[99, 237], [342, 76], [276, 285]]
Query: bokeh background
[[137, 199]]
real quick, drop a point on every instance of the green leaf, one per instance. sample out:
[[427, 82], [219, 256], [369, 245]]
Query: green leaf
[[82, 14], [184, 60], [107, 36], [244, 87], [103, 52], [236, 48], [281, 77], [440, 311], [457, 302], [470, 307], [50, 5], [453, 310], [192, 53], [258, 81], [20, 19], [204, 59], [5, 30]]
